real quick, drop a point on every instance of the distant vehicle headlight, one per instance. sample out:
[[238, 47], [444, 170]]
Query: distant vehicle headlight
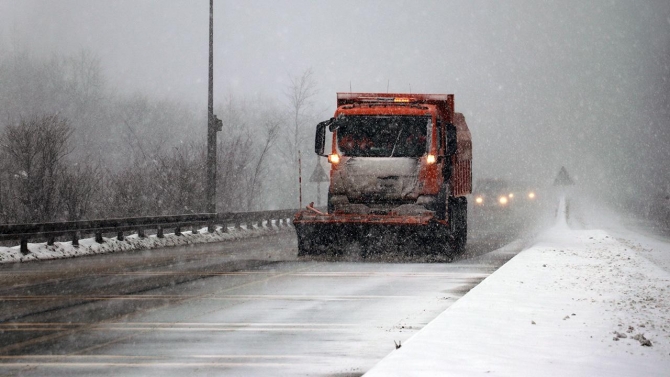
[[479, 200], [531, 195], [502, 200], [511, 195]]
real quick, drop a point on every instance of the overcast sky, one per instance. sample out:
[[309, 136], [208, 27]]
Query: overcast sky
[[542, 84]]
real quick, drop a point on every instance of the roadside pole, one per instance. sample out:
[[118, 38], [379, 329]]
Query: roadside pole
[[300, 179], [213, 125]]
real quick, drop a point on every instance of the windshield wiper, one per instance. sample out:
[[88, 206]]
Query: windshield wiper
[[396, 142]]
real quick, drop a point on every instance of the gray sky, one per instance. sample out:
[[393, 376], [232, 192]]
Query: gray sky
[[542, 85]]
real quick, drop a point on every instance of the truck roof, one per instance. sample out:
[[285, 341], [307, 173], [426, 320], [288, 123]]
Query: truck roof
[[443, 102]]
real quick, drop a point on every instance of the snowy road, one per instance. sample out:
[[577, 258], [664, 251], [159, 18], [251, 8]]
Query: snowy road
[[247, 307]]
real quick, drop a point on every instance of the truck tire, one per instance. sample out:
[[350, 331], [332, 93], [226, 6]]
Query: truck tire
[[441, 247], [307, 243], [458, 219], [441, 203], [303, 245]]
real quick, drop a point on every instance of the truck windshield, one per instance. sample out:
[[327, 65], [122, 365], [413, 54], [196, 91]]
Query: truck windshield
[[383, 136]]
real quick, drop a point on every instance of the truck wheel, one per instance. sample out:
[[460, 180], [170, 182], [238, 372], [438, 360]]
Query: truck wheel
[[459, 223], [302, 248], [441, 247], [304, 244], [441, 203]]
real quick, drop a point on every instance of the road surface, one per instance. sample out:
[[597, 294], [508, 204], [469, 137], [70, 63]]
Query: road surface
[[247, 307]]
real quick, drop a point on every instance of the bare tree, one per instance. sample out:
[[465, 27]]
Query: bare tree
[[8, 190], [179, 177], [148, 163], [271, 124], [300, 94], [233, 161], [128, 194], [36, 150], [79, 187]]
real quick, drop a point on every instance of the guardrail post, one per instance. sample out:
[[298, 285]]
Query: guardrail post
[[75, 238], [250, 225], [177, 231], [224, 227], [141, 233], [51, 240], [98, 237], [211, 228], [119, 235], [159, 232], [24, 246], [194, 230], [238, 225]]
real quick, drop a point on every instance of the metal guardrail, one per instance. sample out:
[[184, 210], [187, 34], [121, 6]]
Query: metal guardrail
[[76, 229]]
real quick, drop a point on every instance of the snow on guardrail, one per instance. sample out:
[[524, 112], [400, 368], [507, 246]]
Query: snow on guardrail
[[88, 246]]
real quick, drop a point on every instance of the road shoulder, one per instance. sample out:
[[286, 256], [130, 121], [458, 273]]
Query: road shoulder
[[579, 303]]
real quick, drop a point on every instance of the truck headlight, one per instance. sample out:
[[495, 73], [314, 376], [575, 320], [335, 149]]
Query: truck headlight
[[334, 158], [502, 200], [430, 159], [479, 200], [531, 195]]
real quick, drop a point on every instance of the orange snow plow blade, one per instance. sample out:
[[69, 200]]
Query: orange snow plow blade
[[320, 232]]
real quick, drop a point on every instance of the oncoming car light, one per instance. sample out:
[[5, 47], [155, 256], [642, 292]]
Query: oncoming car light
[[531, 195], [511, 195], [479, 200], [502, 200], [334, 158]]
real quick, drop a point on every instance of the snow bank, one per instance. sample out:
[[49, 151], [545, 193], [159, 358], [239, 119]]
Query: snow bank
[[635, 233], [88, 246], [577, 303]]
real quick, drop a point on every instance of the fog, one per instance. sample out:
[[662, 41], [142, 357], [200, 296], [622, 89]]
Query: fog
[[542, 85]]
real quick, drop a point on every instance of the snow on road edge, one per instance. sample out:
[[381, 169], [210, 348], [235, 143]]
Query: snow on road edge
[[570, 305], [88, 246]]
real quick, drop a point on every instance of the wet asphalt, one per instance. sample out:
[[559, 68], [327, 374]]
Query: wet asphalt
[[246, 307]]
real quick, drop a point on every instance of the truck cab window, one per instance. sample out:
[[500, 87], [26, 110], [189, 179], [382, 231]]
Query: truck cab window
[[384, 136]]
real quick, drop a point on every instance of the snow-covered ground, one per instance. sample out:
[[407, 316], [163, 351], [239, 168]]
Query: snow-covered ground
[[580, 302], [88, 246]]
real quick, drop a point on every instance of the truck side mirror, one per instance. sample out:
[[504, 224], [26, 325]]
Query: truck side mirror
[[320, 137], [451, 140]]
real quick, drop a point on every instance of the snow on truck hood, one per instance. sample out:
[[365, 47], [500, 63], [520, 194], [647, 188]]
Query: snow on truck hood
[[384, 178]]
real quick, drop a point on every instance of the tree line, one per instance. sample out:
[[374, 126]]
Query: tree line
[[72, 147]]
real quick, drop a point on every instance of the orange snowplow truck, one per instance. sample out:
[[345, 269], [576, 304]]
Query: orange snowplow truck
[[401, 167]]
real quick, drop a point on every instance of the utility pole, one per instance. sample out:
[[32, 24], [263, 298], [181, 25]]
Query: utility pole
[[213, 124]]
